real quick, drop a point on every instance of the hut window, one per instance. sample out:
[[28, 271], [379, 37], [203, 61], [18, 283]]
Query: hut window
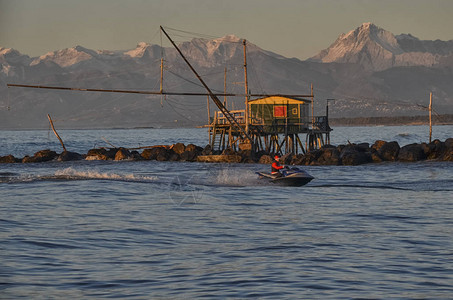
[[279, 111], [294, 111]]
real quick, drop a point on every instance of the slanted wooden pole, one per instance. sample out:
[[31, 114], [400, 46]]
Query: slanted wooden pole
[[312, 108], [224, 88], [430, 118], [231, 119], [161, 75], [209, 110], [54, 131]]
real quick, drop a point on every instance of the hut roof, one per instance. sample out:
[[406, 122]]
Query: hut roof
[[279, 100]]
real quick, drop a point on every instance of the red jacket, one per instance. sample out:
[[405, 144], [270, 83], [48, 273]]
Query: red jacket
[[276, 167]]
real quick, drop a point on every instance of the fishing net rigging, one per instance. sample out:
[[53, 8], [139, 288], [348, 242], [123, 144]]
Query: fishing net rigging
[[232, 64], [255, 76], [179, 109], [185, 35]]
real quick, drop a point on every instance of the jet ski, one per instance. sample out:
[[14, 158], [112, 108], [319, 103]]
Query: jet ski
[[290, 176]]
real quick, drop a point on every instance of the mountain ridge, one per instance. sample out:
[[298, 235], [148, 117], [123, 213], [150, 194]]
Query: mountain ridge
[[377, 49], [370, 72]]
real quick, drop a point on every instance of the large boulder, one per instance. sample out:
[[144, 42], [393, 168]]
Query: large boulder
[[448, 154], [207, 150], [375, 156], [286, 159], [412, 152], [265, 159], [192, 147], [135, 155], [98, 154], [112, 152], [7, 159], [45, 155], [154, 152], [149, 154], [435, 149], [298, 159], [248, 156], [188, 156], [40, 156], [426, 149], [329, 156], [191, 152], [178, 148], [378, 144], [122, 154], [449, 144], [163, 154], [28, 159], [363, 147], [388, 151], [311, 158], [173, 156], [353, 155], [69, 156], [341, 147]]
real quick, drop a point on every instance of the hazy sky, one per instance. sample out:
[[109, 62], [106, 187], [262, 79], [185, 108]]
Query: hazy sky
[[293, 28]]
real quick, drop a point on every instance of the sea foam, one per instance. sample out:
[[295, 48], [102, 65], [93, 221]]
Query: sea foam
[[71, 173]]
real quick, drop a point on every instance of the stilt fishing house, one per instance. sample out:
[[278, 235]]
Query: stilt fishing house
[[275, 124]]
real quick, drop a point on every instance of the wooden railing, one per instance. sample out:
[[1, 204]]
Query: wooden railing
[[321, 122], [220, 119]]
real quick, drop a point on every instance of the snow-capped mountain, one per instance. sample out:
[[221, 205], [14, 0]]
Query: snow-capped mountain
[[13, 56], [10, 57], [66, 57], [145, 50], [212, 52], [370, 72], [377, 49], [216, 52]]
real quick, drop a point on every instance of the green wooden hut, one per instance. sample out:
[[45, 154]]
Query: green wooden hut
[[278, 114]]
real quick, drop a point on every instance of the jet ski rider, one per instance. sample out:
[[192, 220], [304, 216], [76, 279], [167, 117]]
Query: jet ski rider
[[276, 167]]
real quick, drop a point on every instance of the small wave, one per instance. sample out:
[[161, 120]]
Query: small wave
[[70, 173], [11, 222], [405, 137], [74, 174], [6, 176], [46, 244], [359, 185], [404, 134], [434, 186]]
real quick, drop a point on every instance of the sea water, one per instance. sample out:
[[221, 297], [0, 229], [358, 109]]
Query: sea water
[[148, 229]]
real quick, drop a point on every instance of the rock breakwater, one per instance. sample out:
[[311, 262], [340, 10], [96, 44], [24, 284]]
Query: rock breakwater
[[350, 154]]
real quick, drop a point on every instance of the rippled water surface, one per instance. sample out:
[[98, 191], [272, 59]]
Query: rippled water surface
[[153, 229]]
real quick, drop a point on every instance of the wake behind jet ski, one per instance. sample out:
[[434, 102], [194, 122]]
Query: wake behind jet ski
[[289, 176]]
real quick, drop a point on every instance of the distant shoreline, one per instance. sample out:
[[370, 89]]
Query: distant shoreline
[[392, 121], [361, 121]]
